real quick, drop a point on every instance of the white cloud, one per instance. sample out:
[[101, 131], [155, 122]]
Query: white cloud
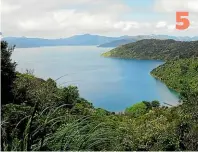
[[161, 24], [176, 5], [194, 25], [126, 25], [63, 18], [60, 18], [171, 27], [193, 5], [7, 8]]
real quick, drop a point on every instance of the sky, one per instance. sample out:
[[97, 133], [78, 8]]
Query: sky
[[64, 18]]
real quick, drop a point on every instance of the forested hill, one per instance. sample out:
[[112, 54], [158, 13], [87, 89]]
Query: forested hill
[[156, 49], [179, 74]]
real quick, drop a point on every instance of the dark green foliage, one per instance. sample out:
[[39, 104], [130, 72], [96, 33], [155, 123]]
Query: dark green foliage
[[40, 109], [188, 128], [155, 104], [84, 135], [28, 89], [148, 105], [179, 74], [7, 73], [49, 124], [156, 49], [69, 95], [142, 108], [137, 109], [82, 107]]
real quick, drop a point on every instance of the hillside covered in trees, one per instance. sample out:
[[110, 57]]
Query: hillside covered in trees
[[156, 49], [37, 115], [178, 74]]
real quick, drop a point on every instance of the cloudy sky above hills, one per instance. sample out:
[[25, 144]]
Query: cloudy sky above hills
[[63, 18]]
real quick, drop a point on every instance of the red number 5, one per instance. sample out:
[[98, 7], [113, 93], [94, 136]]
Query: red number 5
[[182, 22]]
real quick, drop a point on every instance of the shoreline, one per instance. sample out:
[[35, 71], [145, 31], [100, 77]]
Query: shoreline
[[158, 78]]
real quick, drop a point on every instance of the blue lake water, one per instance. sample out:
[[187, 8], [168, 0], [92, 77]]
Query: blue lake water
[[109, 83]]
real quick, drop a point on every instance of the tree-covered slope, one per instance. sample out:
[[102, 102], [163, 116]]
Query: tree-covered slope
[[178, 74], [156, 49]]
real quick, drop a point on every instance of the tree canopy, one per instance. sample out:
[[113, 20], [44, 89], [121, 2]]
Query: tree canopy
[[7, 73], [179, 74], [156, 49]]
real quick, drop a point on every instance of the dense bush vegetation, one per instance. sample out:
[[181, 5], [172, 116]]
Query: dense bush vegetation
[[156, 49], [142, 108], [179, 73], [42, 116]]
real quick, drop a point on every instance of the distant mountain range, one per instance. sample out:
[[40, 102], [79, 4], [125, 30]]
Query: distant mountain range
[[87, 39], [118, 42], [131, 39]]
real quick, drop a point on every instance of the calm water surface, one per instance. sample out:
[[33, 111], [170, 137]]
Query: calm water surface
[[113, 84]]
